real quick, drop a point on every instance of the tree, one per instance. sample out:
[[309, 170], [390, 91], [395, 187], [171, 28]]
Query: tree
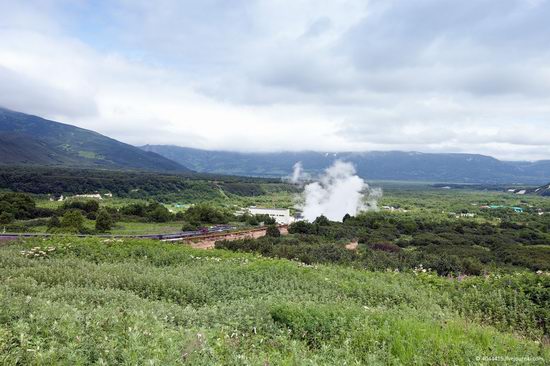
[[187, 226], [53, 223], [73, 221], [6, 218], [322, 221], [302, 227], [206, 214], [272, 231], [104, 221], [346, 217], [266, 219], [20, 205], [160, 214]]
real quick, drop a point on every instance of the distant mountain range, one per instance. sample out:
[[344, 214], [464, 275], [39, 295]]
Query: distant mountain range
[[26, 139], [391, 165]]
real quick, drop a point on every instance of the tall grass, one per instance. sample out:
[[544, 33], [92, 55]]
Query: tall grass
[[145, 302]]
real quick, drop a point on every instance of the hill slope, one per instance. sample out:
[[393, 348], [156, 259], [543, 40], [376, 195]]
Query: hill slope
[[543, 190], [26, 139], [392, 165]]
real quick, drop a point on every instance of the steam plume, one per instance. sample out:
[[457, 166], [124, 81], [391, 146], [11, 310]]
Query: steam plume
[[339, 191], [297, 172]]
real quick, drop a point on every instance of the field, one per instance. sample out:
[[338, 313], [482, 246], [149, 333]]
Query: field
[[144, 302]]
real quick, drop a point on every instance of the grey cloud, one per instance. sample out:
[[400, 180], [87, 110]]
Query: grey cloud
[[22, 93], [432, 75], [318, 27]]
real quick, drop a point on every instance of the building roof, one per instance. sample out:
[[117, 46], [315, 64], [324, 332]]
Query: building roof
[[269, 209]]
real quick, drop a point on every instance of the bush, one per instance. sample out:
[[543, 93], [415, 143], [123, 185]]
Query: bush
[[266, 219], [206, 214], [302, 227], [53, 223], [385, 247], [83, 205], [188, 227], [445, 265], [21, 206], [6, 218], [104, 221], [472, 266], [273, 231], [159, 214], [322, 221], [72, 221]]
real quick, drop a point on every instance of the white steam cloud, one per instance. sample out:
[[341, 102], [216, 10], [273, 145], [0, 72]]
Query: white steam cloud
[[338, 192], [297, 172]]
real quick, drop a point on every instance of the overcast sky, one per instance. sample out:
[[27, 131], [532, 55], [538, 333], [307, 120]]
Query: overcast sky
[[269, 75]]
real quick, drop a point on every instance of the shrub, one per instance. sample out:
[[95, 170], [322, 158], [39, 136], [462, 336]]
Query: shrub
[[53, 223], [472, 266], [273, 231], [159, 214], [385, 247], [20, 205], [206, 214], [83, 205], [6, 218], [266, 219], [302, 227], [187, 226], [104, 221], [322, 221], [72, 221], [445, 265]]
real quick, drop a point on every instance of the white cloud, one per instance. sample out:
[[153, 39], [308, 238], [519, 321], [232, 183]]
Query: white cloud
[[287, 75]]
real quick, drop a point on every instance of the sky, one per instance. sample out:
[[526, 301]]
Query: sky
[[271, 75]]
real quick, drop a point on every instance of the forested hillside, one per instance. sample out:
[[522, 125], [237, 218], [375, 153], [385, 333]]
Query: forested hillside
[[26, 139]]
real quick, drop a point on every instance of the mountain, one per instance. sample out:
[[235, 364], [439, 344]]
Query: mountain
[[26, 139], [375, 165], [543, 190]]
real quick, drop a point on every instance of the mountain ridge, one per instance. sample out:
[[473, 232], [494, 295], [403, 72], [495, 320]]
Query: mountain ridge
[[31, 140], [373, 165]]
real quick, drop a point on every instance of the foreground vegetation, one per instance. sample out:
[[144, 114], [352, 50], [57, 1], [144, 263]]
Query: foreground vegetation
[[81, 301], [438, 276]]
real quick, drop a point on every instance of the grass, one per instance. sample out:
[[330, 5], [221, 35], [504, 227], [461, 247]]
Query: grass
[[129, 228], [145, 302], [138, 228]]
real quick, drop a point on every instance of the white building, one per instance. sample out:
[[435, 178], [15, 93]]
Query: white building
[[281, 215], [90, 195]]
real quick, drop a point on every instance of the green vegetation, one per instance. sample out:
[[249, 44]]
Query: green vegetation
[[435, 277], [27, 139], [104, 221], [398, 241], [205, 214], [72, 221], [92, 301]]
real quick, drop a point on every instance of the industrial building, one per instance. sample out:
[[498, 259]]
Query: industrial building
[[281, 215]]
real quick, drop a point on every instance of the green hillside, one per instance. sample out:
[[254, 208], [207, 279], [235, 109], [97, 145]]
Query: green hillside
[[26, 139], [91, 301]]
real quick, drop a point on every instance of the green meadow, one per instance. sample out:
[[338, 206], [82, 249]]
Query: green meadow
[[68, 301]]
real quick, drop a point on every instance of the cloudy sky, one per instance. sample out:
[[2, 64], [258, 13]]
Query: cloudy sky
[[269, 75]]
